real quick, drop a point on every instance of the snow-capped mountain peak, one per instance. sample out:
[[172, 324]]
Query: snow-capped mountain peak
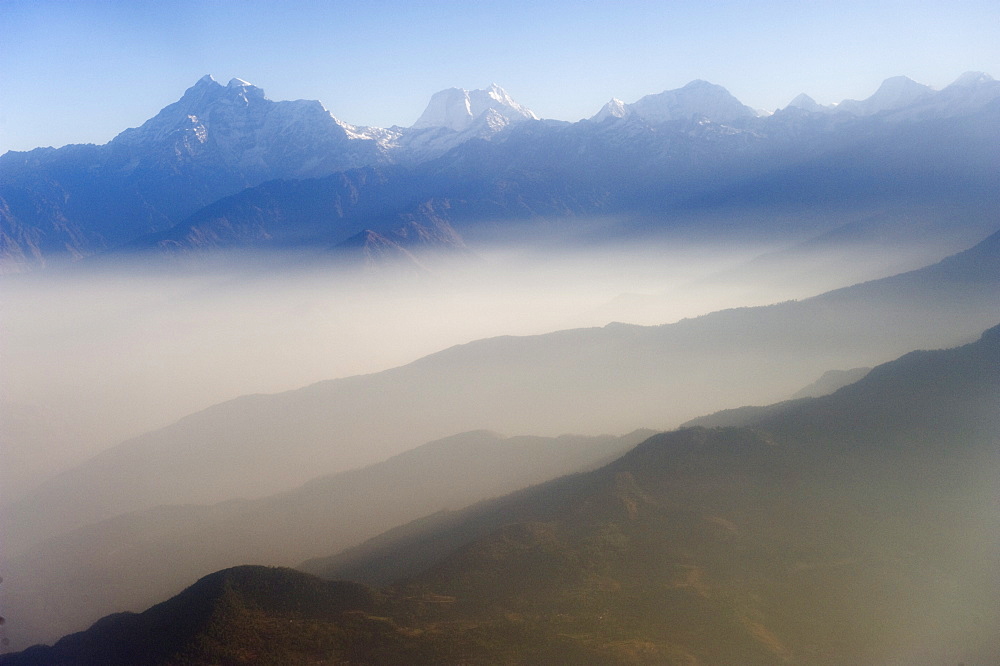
[[901, 98], [448, 108], [613, 109], [494, 96], [698, 99], [456, 108], [236, 127]]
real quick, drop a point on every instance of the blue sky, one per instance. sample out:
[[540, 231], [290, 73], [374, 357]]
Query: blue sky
[[76, 71]]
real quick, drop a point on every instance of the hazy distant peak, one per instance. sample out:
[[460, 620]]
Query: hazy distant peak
[[894, 93], [902, 97], [900, 84], [806, 103], [830, 381], [613, 109], [456, 108], [698, 98], [700, 83], [990, 335], [239, 83], [970, 79]]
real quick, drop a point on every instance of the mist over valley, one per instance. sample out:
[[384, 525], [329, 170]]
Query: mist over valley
[[642, 388]]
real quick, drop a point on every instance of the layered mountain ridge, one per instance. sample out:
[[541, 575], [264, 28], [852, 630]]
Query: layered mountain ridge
[[607, 379], [214, 142], [854, 527], [832, 531], [65, 584], [697, 100], [456, 108], [654, 155]]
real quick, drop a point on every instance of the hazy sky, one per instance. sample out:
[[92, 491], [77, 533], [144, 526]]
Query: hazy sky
[[75, 71]]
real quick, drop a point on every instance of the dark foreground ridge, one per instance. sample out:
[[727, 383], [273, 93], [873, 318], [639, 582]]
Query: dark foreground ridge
[[246, 614], [134, 560]]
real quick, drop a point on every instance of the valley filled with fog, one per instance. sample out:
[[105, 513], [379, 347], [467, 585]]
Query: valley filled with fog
[[683, 382], [95, 354]]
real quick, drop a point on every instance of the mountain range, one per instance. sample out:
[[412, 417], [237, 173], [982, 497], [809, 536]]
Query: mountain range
[[851, 521], [474, 158], [856, 527]]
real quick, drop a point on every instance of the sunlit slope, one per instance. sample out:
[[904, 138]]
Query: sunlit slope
[[242, 615], [854, 528], [840, 533], [134, 560], [939, 403], [595, 380]]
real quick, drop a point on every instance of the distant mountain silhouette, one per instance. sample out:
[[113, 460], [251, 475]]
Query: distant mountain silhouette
[[848, 528], [830, 382], [179, 183], [655, 174], [138, 558], [589, 380], [857, 527], [923, 397], [963, 392]]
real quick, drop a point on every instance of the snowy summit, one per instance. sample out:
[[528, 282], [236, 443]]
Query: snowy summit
[[698, 99], [456, 108]]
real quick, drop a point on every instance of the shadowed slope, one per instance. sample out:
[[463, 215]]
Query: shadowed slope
[[861, 531], [242, 615]]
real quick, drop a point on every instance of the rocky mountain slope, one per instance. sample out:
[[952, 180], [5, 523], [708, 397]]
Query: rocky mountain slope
[[215, 141]]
